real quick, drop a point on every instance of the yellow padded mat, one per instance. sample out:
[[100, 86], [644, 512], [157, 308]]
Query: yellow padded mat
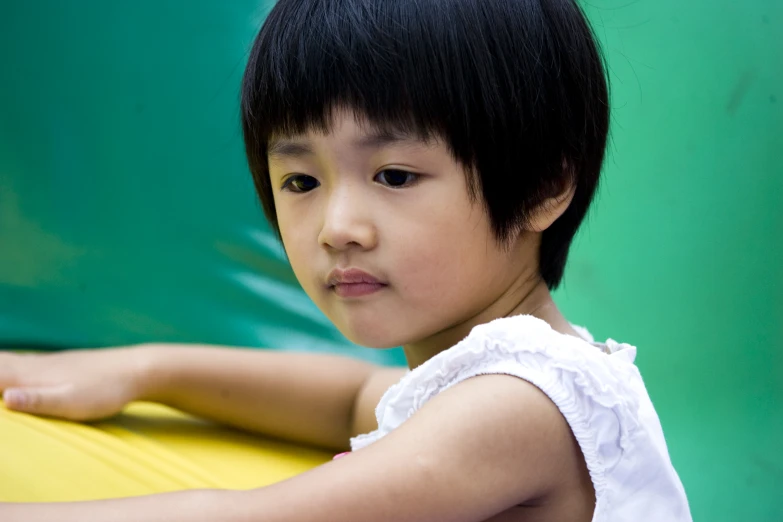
[[148, 449]]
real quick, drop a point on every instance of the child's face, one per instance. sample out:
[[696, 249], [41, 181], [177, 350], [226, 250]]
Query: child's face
[[348, 203]]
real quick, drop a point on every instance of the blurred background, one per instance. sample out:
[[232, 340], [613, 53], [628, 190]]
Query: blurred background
[[127, 213]]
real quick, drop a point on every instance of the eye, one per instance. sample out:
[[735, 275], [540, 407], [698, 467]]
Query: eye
[[396, 178], [300, 183]]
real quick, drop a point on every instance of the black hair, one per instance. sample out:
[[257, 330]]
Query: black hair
[[515, 88]]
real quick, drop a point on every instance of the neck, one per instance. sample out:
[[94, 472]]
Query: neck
[[530, 296]]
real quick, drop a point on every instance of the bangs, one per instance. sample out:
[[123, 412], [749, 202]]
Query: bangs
[[424, 68]]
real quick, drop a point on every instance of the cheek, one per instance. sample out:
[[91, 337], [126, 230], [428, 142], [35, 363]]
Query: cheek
[[449, 252], [297, 242]]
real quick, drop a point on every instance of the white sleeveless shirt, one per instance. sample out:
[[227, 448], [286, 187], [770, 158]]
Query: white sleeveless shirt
[[598, 390]]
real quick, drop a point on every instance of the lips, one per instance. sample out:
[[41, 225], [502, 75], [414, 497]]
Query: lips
[[350, 276], [353, 282]]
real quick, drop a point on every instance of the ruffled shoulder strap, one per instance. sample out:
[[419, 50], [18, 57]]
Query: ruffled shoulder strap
[[588, 382]]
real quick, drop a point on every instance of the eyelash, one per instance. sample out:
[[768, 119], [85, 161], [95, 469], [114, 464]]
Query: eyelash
[[289, 183]]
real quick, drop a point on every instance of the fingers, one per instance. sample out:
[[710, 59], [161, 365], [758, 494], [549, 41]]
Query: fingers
[[51, 401]]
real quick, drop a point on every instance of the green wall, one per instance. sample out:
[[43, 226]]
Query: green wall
[[127, 213]]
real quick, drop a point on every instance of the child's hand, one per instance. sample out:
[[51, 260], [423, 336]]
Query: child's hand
[[77, 385]]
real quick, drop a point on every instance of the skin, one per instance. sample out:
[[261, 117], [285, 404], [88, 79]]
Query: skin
[[426, 239], [443, 271]]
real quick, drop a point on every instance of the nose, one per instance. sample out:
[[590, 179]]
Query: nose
[[347, 221]]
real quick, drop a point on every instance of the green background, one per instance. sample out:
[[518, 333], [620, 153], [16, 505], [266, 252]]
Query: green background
[[127, 213]]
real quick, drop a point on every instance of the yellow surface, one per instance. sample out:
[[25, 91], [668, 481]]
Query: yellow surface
[[148, 449]]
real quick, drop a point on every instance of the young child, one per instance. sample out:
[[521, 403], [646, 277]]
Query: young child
[[426, 164]]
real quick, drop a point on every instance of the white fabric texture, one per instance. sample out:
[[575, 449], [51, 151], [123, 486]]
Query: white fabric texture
[[597, 388]]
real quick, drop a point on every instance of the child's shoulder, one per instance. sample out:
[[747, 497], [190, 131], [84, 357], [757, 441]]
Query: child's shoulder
[[528, 348], [576, 374], [595, 386]]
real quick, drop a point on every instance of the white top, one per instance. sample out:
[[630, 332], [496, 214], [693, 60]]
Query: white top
[[598, 390]]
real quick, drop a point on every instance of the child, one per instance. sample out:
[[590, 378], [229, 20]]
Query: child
[[426, 164]]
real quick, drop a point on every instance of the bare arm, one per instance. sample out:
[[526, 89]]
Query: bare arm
[[314, 399], [306, 398], [478, 449]]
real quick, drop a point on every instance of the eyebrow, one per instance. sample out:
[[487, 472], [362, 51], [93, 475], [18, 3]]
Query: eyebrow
[[381, 138], [288, 148], [295, 148]]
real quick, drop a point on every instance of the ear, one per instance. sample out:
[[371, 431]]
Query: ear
[[542, 217]]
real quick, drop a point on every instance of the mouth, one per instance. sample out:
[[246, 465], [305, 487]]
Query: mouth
[[353, 282]]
